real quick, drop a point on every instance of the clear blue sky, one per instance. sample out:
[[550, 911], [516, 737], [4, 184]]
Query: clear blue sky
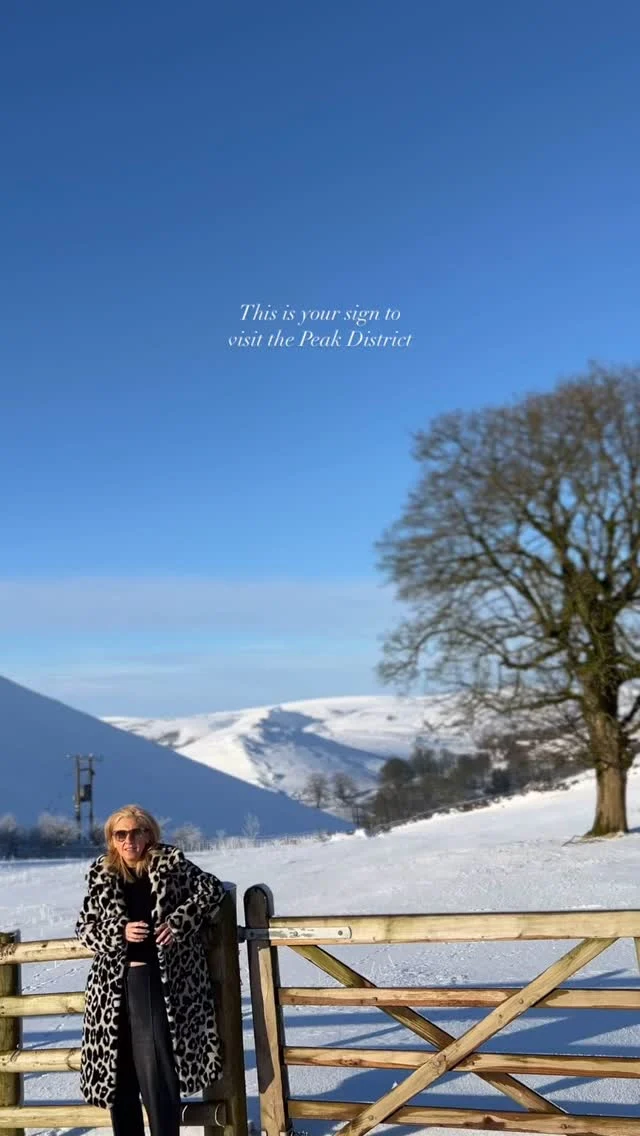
[[189, 525]]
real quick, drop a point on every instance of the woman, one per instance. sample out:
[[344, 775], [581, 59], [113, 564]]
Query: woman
[[149, 1021]]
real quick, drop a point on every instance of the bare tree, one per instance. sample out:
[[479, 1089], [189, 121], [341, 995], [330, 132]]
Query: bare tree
[[315, 790], [96, 835], [251, 826], [344, 788], [519, 556], [9, 835], [56, 831], [188, 837]]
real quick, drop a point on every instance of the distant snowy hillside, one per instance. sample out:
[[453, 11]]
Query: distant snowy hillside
[[39, 733], [280, 746]]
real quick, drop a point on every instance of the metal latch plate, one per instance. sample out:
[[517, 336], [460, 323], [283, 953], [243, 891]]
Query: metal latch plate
[[293, 933]]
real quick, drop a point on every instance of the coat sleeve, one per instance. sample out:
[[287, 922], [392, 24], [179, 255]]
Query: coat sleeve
[[205, 896], [101, 933]]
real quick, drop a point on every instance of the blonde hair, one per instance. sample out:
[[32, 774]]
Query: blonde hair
[[114, 861]]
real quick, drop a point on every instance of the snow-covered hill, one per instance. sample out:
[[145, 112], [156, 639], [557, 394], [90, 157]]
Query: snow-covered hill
[[280, 746], [38, 734]]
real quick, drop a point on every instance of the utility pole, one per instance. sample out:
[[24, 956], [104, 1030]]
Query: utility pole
[[85, 774]]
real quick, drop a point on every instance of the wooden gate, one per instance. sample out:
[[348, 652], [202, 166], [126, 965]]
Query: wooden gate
[[222, 1112], [307, 937]]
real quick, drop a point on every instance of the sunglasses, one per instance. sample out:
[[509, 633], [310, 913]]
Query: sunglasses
[[121, 834]]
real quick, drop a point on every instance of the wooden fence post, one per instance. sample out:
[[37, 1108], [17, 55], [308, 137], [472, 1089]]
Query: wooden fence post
[[10, 1029], [264, 978], [224, 967]]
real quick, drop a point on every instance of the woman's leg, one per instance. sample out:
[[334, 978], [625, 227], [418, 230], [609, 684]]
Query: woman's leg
[[153, 1052], [126, 1114]]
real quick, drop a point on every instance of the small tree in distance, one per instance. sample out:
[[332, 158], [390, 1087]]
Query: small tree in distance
[[56, 831], [251, 827], [344, 788], [188, 837], [96, 835], [9, 835], [315, 790]]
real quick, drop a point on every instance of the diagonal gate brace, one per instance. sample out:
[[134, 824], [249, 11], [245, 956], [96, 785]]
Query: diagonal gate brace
[[439, 1063], [425, 1029]]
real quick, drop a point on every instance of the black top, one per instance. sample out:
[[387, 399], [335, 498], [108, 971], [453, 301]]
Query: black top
[[137, 896]]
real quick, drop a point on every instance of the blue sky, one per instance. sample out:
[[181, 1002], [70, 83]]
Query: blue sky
[[189, 525]]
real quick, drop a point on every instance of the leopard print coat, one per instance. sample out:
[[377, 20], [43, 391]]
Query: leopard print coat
[[184, 897]]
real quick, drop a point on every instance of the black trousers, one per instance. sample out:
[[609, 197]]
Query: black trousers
[[146, 1065]]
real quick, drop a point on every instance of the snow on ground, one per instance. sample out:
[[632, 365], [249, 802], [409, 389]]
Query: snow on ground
[[280, 746], [515, 856]]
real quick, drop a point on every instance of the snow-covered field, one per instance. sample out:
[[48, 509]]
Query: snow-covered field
[[515, 856]]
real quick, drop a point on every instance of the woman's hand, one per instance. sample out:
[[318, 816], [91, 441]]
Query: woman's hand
[[164, 935], [136, 932]]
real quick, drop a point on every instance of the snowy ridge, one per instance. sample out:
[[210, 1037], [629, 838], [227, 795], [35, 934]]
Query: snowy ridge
[[280, 746]]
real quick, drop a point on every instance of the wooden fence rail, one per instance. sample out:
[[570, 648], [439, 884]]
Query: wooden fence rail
[[222, 1112], [307, 936]]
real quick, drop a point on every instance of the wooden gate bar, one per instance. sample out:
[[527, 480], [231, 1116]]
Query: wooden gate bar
[[198, 1113], [40, 1005], [543, 1064], [474, 1119], [44, 950], [377, 996], [480, 927], [447, 1059], [527, 1064], [40, 1061], [425, 1029]]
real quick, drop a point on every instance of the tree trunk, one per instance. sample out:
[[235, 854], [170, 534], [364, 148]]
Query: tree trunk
[[610, 753], [611, 807]]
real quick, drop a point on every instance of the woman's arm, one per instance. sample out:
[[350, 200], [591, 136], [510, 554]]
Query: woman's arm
[[99, 932], [206, 895]]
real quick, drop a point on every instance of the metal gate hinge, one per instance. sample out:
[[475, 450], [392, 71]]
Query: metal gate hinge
[[268, 934]]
